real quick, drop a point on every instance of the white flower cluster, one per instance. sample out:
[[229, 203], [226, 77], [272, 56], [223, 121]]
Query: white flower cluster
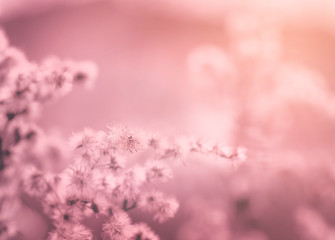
[[27, 154], [112, 171], [101, 182], [25, 85]]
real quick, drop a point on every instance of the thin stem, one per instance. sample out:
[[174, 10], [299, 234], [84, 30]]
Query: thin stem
[[125, 205], [2, 164], [132, 206], [54, 192], [2, 138]]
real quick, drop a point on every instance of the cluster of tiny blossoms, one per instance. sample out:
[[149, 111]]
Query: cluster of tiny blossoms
[[113, 172], [26, 152]]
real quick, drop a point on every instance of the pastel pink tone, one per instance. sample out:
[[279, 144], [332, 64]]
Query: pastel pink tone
[[191, 120]]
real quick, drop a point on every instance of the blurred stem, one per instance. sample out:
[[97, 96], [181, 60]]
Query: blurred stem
[[2, 165], [2, 138], [125, 205]]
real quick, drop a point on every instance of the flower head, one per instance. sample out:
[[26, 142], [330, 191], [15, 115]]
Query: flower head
[[142, 231], [162, 206], [125, 140], [85, 73], [166, 209], [118, 227], [36, 183], [71, 232], [157, 170], [130, 182]]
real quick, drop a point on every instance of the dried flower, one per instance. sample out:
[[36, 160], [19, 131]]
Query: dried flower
[[158, 170], [71, 232], [35, 183], [166, 209], [118, 227], [142, 231], [163, 207]]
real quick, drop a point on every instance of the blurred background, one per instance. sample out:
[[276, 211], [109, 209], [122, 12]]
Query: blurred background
[[253, 73], [189, 67]]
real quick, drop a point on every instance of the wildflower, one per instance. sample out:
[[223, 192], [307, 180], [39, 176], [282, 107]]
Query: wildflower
[[142, 231], [11, 58], [87, 144], [49, 146], [128, 143], [125, 140], [116, 162], [173, 150], [93, 205], [162, 206], [55, 77], [66, 215], [72, 200], [154, 142], [35, 183], [80, 179], [83, 140], [85, 73], [71, 232], [107, 182], [50, 203], [131, 182], [118, 227], [19, 132], [149, 201], [24, 87], [222, 151], [196, 145], [166, 209], [107, 141], [157, 170], [111, 162]]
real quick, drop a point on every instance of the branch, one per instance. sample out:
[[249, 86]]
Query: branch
[[126, 208], [2, 164]]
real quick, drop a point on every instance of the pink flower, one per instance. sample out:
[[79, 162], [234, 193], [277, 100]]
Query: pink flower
[[36, 183], [131, 181], [78, 179], [166, 209], [71, 232], [163, 207], [125, 140], [85, 73], [118, 227], [142, 231], [156, 170]]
